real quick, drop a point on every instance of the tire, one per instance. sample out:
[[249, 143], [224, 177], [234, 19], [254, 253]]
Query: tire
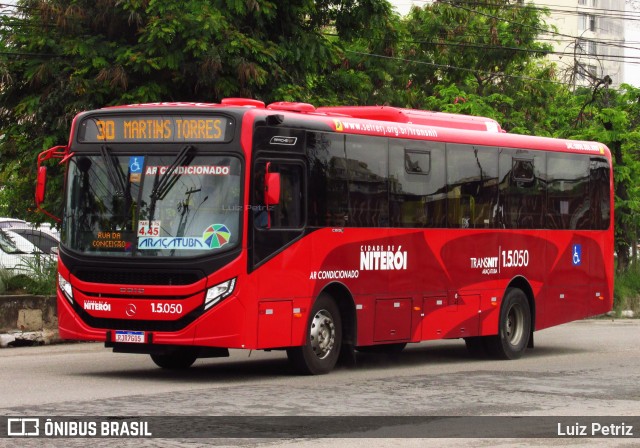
[[389, 349], [320, 352], [514, 327], [175, 360]]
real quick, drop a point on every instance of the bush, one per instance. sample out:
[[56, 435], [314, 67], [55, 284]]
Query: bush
[[626, 290], [41, 280]]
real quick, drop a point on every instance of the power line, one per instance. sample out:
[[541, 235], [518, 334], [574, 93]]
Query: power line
[[584, 55], [601, 41], [606, 12], [612, 58], [573, 38], [453, 67], [536, 28], [600, 57]]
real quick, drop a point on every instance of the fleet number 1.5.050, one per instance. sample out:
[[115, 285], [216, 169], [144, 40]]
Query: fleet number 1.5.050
[[515, 258], [166, 308]]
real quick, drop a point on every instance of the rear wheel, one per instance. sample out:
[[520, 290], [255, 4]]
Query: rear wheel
[[514, 328], [175, 360], [320, 352]]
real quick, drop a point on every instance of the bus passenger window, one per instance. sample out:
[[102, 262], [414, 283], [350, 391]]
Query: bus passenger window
[[568, 199], [417, 184], [367, 172], [522, 189], [328, 182], [472, 186]]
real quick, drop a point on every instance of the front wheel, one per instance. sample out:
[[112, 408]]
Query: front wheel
[[515, 327], [320, 352]]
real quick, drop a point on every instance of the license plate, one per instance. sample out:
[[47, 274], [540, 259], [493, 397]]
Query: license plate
[[132, 337]]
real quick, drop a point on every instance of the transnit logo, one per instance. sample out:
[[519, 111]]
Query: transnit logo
[[489, 265], [486, 262]]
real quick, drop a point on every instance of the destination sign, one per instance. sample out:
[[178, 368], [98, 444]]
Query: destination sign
[[155, 128]]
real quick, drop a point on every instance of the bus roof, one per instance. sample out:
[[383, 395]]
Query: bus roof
[[394, 121], [412, 116], [377, 113]]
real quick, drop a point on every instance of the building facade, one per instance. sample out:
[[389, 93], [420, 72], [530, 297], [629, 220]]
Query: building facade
[[589, 40]]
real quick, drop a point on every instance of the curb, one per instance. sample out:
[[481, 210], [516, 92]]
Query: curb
[[29, 338], [28, 320]]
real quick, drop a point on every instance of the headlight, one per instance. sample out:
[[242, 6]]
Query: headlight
[[65, 286], [216, 293]]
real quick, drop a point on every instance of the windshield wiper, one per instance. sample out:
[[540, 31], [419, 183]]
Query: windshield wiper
[[164, 183], [167, 180], [116, 176]]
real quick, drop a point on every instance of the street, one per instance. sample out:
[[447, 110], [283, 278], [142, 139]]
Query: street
[[587, 368]]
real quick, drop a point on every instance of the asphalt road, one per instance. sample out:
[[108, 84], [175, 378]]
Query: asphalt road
[[588, 368]]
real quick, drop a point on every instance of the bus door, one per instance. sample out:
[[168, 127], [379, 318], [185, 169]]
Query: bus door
[[277, 220]]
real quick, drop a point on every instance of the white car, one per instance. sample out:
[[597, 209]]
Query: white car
[[6, 223], [11, 223], [43, 239]]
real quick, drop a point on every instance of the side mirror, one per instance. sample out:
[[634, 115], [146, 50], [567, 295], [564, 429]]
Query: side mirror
[[57, 152], [41, 186], [271, 187]]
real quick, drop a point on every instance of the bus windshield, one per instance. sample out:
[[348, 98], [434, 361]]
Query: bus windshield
[[152, 205]]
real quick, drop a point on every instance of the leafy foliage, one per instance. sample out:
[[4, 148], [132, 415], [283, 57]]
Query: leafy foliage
[[42, 278], [59, 57], [627, 290], [610, 117], [64, 56]]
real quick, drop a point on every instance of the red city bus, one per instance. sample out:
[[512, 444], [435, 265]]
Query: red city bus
[[189, 229]]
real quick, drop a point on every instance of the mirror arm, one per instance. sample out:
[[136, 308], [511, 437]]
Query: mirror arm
[[57, 152]]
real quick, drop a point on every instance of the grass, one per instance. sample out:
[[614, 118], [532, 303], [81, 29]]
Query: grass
[[41, 281], [626, 290]]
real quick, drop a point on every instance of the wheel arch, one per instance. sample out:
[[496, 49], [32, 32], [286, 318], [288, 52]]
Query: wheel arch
[[344, 300], [523, 284]]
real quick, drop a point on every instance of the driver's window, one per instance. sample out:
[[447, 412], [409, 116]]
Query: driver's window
[[289, 212]]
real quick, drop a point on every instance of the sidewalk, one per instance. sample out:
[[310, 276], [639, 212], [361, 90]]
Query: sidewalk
[[28, 320]]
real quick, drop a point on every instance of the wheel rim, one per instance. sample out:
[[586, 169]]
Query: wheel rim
[[514, 325], [322, 334]]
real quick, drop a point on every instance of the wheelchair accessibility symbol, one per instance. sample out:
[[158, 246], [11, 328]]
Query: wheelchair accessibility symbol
[[577, 254], [135, 168], [135, 165]]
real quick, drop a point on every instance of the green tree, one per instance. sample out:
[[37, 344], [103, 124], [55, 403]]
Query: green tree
[[479, 47], [60, 57], [612, 117]]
